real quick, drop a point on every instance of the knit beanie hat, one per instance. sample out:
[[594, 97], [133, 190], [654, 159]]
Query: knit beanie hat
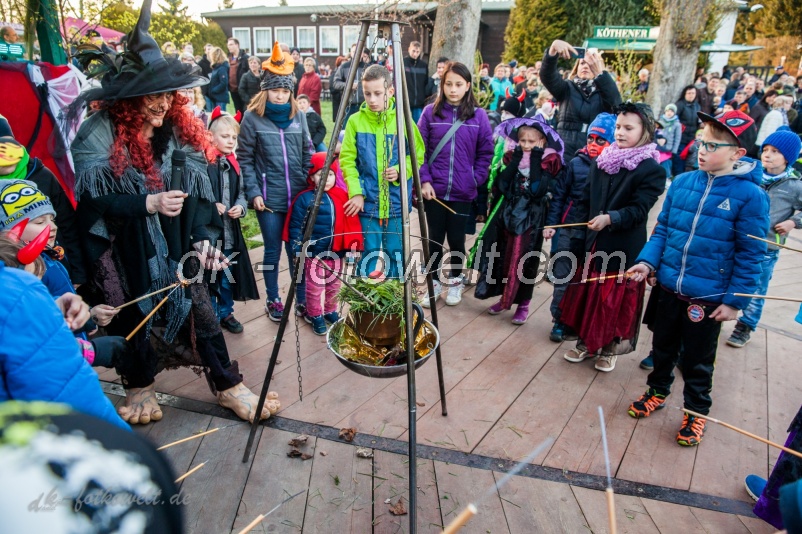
[[787, 142], [318, 160], [514, 106], [20, 199], [5, 128], [603, 126], [671, 107]]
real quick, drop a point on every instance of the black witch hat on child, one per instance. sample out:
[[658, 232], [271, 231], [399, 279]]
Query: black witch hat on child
[[140, 70]]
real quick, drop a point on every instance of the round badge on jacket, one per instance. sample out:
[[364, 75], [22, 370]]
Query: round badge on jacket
[[696, 313]]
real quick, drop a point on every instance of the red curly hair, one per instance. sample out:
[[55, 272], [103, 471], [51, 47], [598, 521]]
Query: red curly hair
[[130, 148]]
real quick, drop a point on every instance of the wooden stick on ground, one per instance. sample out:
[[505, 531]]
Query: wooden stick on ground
[[744, 432], [250, 526], [789, 299], [190, 438], [147, 317], [143, 297], [461, 519], [773, 243], [565, 225], [185, 475], [609, 491]]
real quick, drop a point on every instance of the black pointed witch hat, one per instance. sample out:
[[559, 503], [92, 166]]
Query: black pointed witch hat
[[140, 70]]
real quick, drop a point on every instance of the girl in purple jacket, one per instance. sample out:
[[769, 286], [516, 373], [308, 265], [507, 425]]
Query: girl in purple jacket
[[459, 148]]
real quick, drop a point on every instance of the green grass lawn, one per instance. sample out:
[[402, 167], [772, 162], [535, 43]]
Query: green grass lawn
[[250, 226]]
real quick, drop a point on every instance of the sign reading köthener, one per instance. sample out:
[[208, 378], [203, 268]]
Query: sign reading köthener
[[625, 32]]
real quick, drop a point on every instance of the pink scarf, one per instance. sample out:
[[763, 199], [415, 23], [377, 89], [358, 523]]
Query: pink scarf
[[613, 158]]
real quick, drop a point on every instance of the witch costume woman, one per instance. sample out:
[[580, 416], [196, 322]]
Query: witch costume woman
[[513, 234], [139, 232]]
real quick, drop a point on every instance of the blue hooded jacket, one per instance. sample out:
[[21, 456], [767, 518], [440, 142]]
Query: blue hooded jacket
[[39, 357], [700, 247]]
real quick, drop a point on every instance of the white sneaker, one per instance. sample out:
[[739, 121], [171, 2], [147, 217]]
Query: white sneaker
[[606, 364], [438, 288], [455, 288]]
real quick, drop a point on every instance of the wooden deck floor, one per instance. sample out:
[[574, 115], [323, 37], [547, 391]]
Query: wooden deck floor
[[508, 388]]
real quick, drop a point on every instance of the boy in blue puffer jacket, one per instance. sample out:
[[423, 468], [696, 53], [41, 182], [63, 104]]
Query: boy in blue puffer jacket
[[702, 257]]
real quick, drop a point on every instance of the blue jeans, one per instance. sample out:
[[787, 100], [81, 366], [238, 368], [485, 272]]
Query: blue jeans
[[272, 226], [751, 315], [386, 239], [416, 113], [224, 304]]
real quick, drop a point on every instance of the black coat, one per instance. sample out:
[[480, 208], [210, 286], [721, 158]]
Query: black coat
[[577, 111], [759, 112], [206, 70], [687, 115], [627, 196], [317, 130], [417, 74], [248, 87]]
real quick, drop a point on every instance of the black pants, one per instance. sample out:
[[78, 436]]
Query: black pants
[[444, 224], [673, 330], [239, 105]]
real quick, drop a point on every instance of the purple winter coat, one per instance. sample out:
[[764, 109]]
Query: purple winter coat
[[463, 163]]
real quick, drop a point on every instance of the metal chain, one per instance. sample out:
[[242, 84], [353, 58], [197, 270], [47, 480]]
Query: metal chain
[[298, 357]]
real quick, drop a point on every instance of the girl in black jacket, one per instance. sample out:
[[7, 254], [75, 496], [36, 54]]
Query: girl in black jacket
[[687, 108], [623, 184]]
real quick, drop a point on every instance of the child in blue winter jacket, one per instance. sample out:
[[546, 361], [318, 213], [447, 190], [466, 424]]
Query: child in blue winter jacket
[[568, 190], [784, 187], [702, 256]]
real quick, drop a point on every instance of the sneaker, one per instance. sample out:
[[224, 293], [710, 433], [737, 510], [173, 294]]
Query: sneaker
[[755, 486], [576, 355], [300, 311], [646, 404], [495, 309], [521, 313], [605, 364], [438, 288], [274, 310], [455, 288], [318, 325], [331, 317], [740, 336], [693, 428], [647, 363], [557, 332], [232, 325], [569, 334]]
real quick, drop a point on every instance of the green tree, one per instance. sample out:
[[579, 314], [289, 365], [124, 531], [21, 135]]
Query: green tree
[[208, 33], [228, 4], [532, 26], [584, 15], [165, 27], [282, 3], [175, 8], [120, 16]]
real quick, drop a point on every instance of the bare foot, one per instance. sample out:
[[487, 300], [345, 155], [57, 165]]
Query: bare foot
[[242, 401], [141, 406]]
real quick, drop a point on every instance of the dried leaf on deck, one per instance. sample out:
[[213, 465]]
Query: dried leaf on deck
[[324, 453], [364, 452], [421, 404], [348, 434], [305, 456], [299, 441], [295, 453], [398, 508]]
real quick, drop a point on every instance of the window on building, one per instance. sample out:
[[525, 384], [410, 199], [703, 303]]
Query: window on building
[[330, 40], [350, 37], [284, 35], [307, 40], [243, 35], [263, 41]]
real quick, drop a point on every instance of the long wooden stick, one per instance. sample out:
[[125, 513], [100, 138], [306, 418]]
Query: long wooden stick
[[185, 475], [611, 510], [609, 491], [565, 225], [444, 205], [143, 297], [147, 318], [250, 526], [769, 297], [607, 277], [744, 432], [190, 438], [773, 243], [461, 519]]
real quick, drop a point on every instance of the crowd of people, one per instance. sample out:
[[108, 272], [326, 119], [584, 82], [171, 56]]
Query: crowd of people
[[164, 176]]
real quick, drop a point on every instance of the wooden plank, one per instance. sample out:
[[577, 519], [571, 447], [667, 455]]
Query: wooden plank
[[179, 424], [391, 481], [532, 505], [340, 491], [542, 409], [579, 447], [784, 388], [669, 517], [717, 522], [274, 477], [460, 486], [213, 490], [739, 398], [756, 526], [630, 514]]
